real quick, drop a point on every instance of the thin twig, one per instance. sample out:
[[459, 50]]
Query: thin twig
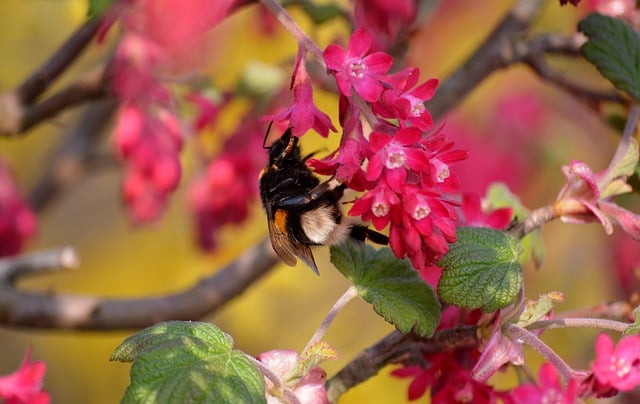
[[40, 80], [62, 311]]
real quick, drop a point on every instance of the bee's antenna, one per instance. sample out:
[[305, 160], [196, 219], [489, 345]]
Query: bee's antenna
[[266, 135]]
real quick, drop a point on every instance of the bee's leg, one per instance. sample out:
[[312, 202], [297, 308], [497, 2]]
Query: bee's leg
[[311, 196], [361, 233]]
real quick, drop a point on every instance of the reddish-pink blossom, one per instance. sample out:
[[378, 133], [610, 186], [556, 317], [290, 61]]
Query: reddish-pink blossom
[[222, 194], [582, 200], [384, 18], [395, 155], [549, 389], [402, 101], [345, 164], [24, 386], [474, 216], [207, 109], [17, 221], [303, 114], [376, 205], [149, 145], [309, 389], [618, 366], [354, 67]]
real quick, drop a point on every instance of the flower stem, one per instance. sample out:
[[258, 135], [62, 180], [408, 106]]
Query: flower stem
[[580, 322], [298, 33], [536, 343], [339, 305]]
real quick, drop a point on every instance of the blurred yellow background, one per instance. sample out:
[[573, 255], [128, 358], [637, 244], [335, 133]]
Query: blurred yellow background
[[283, 309]]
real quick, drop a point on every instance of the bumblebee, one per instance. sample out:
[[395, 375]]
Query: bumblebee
[[301, 210]]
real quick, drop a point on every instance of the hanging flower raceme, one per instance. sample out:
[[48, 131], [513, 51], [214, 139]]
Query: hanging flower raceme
[[407, 172], [148, 133], [303, 114]]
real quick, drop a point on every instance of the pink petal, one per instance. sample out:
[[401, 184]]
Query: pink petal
[[378, 63], [359, 43], [426, 90], [334, 57], [368, 88], [629, 221], [408, 136]]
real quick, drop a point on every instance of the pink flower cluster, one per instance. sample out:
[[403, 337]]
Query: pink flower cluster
[[17, 220], [24, 386], [448, 374], [407, 171], [148, 134], [224, 192]]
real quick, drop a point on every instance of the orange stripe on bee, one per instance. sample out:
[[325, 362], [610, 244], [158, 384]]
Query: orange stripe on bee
[[280, 219]]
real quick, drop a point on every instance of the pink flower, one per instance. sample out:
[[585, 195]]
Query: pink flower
[[207, 110], [309, 389], [407, 103], [149, 144], [222, 194], [376, 205], [303, 114], [345, 164], [474, 216], [18, 223], [395, 154], [498, 351], [585, 197], [24, 386], [618, 366], [353, 68], [548, 391], [385, 18]]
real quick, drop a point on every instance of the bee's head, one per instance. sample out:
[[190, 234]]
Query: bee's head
[[283, 149]]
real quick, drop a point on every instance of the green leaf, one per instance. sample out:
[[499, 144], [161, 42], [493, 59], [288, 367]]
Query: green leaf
[[481, 270], [499, 195], [98, 7], [634, 329], [537, 309], [614, 48], [615, 180], [188, 362], [392, 286]]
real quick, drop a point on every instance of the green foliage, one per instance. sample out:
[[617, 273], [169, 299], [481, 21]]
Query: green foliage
[[97, 7], [614, 48], [536, 309], [392, 286], [188, 362], [481, 270], [499, 196], [634, 329]]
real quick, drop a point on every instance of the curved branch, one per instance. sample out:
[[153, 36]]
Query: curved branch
[[502, 48], [397, 348], [62, 311], [40, 80]]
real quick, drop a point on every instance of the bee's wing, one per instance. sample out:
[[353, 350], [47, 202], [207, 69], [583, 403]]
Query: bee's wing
[[287, 249]]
